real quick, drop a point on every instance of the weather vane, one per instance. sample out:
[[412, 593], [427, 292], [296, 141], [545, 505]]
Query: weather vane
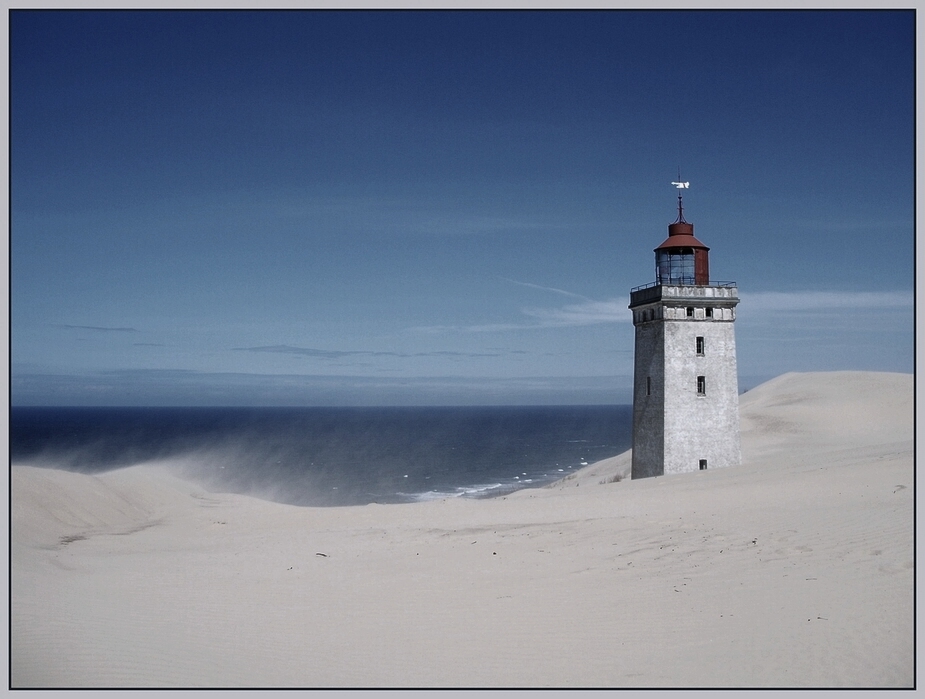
[[680, 185]]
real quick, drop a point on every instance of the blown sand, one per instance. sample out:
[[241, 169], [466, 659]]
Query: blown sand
[[793, 570]]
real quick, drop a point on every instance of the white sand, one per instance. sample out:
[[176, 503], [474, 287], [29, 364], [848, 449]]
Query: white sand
[[793, 570]]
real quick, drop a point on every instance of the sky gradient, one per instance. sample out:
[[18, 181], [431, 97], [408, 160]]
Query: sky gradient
[[374, 208]]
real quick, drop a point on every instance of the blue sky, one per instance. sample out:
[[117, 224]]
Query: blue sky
[[337, 208]]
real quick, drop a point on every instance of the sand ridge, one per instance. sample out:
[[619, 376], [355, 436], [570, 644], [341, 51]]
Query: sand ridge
[[793, 570]]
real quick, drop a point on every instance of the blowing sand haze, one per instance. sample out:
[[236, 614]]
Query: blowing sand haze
[[793, 570]]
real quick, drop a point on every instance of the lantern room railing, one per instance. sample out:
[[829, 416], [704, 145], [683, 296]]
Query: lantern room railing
[[651, 284]]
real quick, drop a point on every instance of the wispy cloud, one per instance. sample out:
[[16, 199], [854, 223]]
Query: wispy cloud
[[447, 353], [546, 288], [340, 354], [301, 351], [589, 312], [97, 328], [822, 301]]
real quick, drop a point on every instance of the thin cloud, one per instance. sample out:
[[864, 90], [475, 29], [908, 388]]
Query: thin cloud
[[97, 328], [340, 354], [447, 353], [822, 301], [486, 328], [546, 288], [589, 312], [592, 312], [301, 351]]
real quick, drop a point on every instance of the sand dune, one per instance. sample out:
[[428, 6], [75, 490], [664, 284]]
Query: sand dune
[[793, 570]]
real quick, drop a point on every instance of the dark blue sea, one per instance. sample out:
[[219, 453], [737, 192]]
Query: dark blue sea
[[331, 456]]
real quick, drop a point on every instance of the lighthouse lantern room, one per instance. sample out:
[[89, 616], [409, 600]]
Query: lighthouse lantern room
[[682, 259]]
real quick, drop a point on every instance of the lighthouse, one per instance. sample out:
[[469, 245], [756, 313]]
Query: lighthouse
[[685, 385]]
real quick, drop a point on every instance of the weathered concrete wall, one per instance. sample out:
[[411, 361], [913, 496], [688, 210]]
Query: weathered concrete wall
[[700, 426], [649, 400], [676, 426]]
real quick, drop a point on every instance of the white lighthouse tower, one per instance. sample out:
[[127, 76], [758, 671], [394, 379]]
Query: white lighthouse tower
[[685, 386]]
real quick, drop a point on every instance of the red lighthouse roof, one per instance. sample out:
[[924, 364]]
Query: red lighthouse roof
[[681, 233], [683, 238]]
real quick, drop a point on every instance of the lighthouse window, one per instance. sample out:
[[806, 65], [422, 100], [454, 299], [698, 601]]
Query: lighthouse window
[[709, 313], [700, 346], [675, 266], [690, 311], [701, 385], [703, 464], [648, 385]]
